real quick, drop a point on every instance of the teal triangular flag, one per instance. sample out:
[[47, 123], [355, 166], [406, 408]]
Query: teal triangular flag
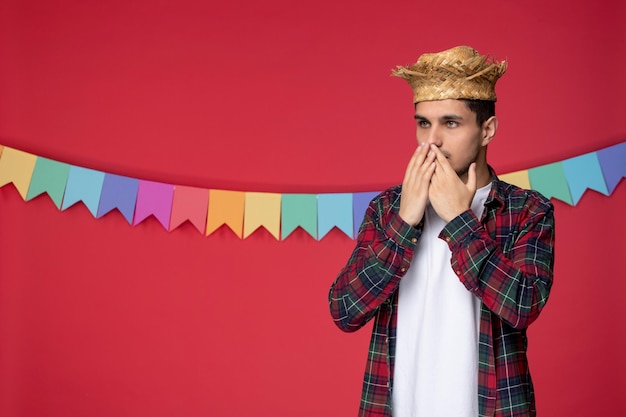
[[48, 177], [550, 181], [298, 210], [83, 185], [334, 210], [584, 172]]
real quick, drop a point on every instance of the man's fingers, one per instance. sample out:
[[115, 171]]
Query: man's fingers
[[471, 177], [430, 172], [416, 164], [441, 158], [415, 185], [413, 162]]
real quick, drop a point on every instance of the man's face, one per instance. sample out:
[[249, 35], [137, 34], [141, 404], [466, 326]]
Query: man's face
[[452, 127]]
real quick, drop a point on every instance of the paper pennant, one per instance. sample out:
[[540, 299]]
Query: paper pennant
[[262, 210], [299, 210], [613, 162], [519, 178], [334, 210], [49, 177], [119, 193], [226, 208], [154, 198], [360, 201], [17, 167], [584, 172], [83, 185], [550, 181], [189, 204]]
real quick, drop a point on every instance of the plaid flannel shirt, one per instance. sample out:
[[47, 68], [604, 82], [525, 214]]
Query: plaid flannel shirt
[[505, 259]]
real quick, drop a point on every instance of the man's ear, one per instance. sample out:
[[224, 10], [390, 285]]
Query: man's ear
[[489, 129]]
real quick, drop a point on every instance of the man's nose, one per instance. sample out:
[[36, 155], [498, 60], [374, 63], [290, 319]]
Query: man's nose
[[433, 137]]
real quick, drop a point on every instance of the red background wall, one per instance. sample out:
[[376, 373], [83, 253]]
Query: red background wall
[[99, 318]]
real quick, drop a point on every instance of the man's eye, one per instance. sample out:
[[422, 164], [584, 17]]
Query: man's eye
[[452, 123], [423, 123]]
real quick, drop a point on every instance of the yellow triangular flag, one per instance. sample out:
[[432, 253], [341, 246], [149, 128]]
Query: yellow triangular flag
[[262, 209], [225, 207], [519, 178], [17, 167]]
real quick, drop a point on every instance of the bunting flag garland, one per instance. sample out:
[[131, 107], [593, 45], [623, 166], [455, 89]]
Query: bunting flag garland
[[280, 214]]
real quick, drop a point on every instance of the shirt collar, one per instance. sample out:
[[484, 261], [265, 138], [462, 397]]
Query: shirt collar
[[496, 194]]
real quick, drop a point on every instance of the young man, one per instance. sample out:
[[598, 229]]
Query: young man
[[453, 265]]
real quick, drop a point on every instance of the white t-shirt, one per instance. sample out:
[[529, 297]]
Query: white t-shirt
[[436, 358]]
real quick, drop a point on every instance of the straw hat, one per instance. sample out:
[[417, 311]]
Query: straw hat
[[457, 73]]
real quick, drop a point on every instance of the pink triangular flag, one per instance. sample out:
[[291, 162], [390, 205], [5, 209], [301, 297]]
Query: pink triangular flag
[[189, 203], [154, 198]]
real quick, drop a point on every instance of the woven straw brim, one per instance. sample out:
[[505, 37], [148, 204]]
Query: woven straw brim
[[458, 73]]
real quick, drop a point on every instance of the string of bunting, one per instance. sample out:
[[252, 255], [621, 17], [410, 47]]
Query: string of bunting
[[280, 214]]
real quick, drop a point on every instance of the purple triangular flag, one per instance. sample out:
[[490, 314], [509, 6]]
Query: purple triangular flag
[[360, 201], [120, 193], [613, 163]]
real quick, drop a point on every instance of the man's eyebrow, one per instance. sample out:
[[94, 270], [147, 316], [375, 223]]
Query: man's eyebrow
[[451, 117], [443, 118]]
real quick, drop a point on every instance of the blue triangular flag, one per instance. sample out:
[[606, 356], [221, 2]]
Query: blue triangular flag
[[584, 172], [84, 185], [334, 210]]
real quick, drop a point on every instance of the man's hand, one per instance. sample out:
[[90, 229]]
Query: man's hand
[[415, 185], [448, 194]]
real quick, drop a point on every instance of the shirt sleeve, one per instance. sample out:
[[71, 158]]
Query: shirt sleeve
[[514, 285], [383, 253]]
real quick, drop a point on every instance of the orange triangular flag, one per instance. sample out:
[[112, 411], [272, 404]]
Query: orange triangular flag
[[225, 207]]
